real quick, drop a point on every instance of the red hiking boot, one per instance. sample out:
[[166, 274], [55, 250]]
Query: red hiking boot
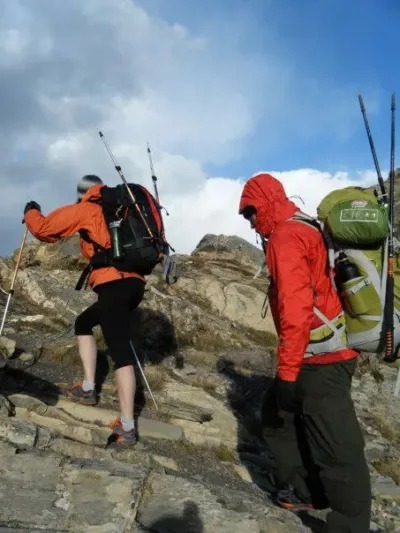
[[121, 437], [76, 393]]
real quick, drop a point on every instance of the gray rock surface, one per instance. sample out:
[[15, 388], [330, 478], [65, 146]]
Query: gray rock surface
[[230, 244], [200, 457], [7, 346], [75, 495], [176, 504]]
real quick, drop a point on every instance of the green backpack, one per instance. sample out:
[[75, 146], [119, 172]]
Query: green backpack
[[352, 221]]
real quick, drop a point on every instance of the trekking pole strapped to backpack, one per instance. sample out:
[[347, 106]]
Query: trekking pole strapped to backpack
[[129, 191], [390, 355], [170, 276], [383, 197], [389, 307], [153, 174]]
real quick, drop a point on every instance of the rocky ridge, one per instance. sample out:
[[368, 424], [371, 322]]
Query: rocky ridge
[[201, 464]]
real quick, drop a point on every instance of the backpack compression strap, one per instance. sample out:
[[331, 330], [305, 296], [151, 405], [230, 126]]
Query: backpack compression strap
[[84, 234]]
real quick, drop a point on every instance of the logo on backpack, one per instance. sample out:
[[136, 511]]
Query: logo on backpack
[[359, 203]]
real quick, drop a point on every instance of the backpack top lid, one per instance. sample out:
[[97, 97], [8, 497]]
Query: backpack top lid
[[353, 216]]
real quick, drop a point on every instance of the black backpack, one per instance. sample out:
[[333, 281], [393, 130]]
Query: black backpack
[[141, 238]]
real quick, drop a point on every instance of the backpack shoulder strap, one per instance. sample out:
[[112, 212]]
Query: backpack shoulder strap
[[84, 235], [329, 245], [306, 219]]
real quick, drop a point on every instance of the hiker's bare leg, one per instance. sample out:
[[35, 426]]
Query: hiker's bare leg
[[88, 353], [126, 388]]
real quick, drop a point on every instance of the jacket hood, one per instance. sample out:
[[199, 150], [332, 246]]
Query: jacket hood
[[92, 194], [267, 195]]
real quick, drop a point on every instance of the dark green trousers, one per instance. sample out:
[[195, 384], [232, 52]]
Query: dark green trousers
[[320, 449]]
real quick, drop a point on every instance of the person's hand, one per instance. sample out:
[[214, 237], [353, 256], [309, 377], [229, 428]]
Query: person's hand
[[286, 395], [32, 205]]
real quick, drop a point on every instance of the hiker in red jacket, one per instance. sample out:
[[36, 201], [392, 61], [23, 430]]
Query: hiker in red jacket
[[119, 293], [309, 419]]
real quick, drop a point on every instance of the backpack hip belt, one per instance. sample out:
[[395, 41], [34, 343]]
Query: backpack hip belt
[[329, 337]]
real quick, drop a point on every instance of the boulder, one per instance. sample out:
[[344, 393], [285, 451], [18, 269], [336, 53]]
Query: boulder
[[7, 347], [229, 244]]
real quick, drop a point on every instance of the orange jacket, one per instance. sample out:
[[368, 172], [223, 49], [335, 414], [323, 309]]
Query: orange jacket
[[68, 220], [297, 261]]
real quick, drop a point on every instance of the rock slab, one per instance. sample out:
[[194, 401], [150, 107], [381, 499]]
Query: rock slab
[[174, 505], [46, 492]]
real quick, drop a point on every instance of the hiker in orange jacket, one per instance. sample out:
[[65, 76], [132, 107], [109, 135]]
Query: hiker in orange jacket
[[118, 294], [309, 420]]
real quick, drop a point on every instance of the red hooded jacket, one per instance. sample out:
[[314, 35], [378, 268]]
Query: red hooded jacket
[[297, 261]]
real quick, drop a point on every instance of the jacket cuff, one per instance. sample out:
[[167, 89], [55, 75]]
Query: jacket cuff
[[31, 216]]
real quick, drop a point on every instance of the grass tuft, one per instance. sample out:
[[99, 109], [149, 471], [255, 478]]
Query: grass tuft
[[157, 376], [389, 468], [207, 384], [386, 430]]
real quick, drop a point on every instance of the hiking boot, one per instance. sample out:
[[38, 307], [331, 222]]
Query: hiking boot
[[121, 437], [76, 393], [290, 500]]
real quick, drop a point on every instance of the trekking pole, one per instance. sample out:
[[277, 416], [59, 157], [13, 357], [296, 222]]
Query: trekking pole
[[119, 170], [154, 178], [11, 290], [383, 197], [168, 264], [142, 372], [390, 355], [153, 175]]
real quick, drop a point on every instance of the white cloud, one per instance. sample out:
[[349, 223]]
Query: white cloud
[[213, 207], [196, 98], [312, 184]]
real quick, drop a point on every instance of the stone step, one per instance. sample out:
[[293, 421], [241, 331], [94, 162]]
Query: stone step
[[94, 419]]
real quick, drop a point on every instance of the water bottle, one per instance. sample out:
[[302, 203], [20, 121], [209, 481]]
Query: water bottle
[[345, 270], [115, 231]]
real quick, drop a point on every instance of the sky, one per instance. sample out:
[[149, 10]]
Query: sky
[[221, 89]]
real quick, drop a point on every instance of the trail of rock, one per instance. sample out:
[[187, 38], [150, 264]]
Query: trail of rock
[[201, 465], [52, 485]]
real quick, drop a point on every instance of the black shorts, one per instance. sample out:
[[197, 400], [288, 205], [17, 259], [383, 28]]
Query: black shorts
[[112, 311]]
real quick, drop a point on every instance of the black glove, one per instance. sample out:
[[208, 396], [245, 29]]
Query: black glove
[[286, 395], [32, 205]]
